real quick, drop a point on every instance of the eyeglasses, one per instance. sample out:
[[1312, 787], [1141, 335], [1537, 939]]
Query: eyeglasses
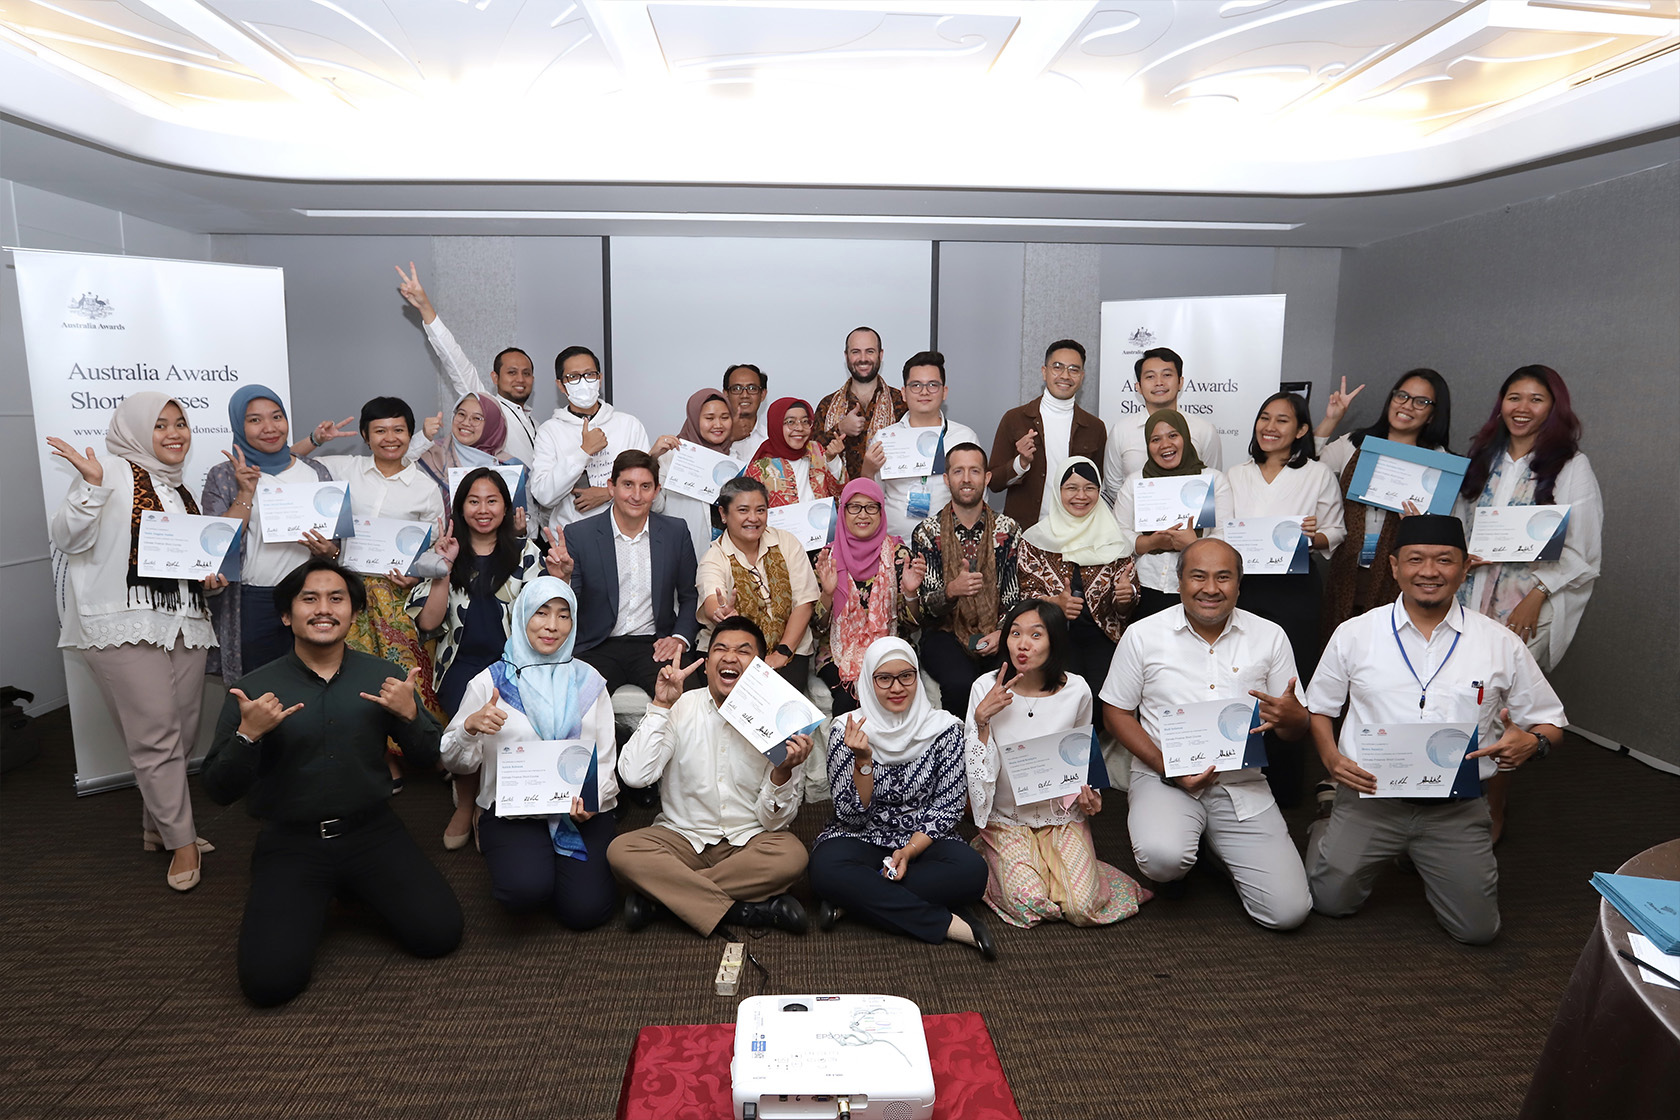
[[1061, 367], [739, 390], [858, 509], [587, 375], [1400, 396], [923, 386], [793, 422], [903, 680]]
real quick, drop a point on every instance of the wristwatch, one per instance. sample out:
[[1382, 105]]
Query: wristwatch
[[781, 648], [1543, 745], [244, 738], [865, 768]]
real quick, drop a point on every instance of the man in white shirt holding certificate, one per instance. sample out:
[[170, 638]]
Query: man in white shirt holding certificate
[[720, 851], [1423, 659], [912, 498], [1200, 651]]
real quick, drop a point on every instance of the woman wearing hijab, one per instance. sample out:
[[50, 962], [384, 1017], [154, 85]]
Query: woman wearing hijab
[[870, 583], [467, 609], [1171, 454], [144, 638], [710, 424], [477, 433], [892, 854], [538, 693], [1041, 859], [248, 628], [1076, 558], [792, 465]]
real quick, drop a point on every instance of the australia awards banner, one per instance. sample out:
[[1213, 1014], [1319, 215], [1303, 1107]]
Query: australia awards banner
[[1232, 348], [97, 328]]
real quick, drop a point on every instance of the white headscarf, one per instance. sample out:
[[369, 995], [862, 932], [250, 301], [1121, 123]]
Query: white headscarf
[[898, 737], [1092, 539], [130, 433]]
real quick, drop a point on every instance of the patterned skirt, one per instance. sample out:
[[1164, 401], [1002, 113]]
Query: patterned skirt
[[1041, 874], [385, 631]]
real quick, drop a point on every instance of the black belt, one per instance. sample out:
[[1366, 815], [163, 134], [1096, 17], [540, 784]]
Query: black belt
[[336, 826], [1431, 802]]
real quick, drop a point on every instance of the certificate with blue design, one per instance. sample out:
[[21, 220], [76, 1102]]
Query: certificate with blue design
[[291, 509], [539, 778], [768, 711], [1389, 474], [1216, 733], [1173, 500], [188, 546], [1417, 759], [1519, 534], [385, 544], [910, 451], [699, 472], [1270, 546], [811, 523], [1049, 766]]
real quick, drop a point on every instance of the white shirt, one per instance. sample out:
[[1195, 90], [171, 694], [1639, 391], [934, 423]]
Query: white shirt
[[716, 575], [1162, 661], [1309, 490], [265, 563], [635, 580], [1159, 570], [899, 490], [712, 784], [1491, 669], [742, 450], [464, 752], [408, 495], [559, 462], [990, 795], [1127, 450], [463, 378]]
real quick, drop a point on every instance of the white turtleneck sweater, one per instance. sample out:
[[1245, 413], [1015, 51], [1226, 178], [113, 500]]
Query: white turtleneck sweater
[[1058, 433]]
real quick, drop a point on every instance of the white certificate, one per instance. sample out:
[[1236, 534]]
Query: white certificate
[[811, 523], [910, 451], [768, 711], [539, 779], [1412, 759], [1394, 482], [1161, 503], [699, 471], [1049, 766], [511, 474], [1517, 534], [1214, 733], [291, 509], [188, 546], [1270, 546], [382, 544]]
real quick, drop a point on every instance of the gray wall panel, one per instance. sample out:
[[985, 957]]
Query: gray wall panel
[[980, 299], [557, 283]]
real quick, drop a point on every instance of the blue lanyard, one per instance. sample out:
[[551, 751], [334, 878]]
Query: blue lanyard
[[1423, 684]]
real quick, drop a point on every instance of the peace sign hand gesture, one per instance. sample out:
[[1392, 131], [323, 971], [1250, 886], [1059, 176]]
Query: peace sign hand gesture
[[88, 466], [997, 698], [327, 431], [448, 545], [411, 291], [668, 685], [725, 604], [1336, 406], [557, 560], [245, 475], [398, 697]]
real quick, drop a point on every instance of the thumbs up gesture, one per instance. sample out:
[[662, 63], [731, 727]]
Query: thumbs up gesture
[[852, 423], [967, 582], [489, 719], [594, 439], [398, 697]]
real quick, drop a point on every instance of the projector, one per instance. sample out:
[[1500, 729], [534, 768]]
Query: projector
[[802, 1057]]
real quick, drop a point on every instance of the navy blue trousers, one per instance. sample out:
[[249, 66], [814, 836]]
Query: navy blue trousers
[[847, 872], [528, 875]]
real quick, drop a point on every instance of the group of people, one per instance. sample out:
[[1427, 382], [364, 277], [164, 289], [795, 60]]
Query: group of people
[[939, 628]]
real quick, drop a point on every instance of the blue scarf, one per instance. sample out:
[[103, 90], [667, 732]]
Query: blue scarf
[[269, 462], [551, 690]]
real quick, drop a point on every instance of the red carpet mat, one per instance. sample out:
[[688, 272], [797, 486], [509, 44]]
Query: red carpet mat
[[682, 1073]]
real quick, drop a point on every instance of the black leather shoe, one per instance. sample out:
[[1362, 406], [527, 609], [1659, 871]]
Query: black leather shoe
[[643, 797], [787, 914], [827, 915], [639, 910], [983, 940]]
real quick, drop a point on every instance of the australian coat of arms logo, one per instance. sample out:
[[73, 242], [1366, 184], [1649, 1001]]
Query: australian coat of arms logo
[[90, 306], [1143, 337]]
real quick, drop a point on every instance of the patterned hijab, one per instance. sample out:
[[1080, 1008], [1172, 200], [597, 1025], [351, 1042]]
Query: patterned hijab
[[691, 426], [896, 738], [1188, 463], [1092, 539], [130, 434], [269, 462]]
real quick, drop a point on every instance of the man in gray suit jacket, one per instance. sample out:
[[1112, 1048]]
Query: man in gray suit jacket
[[634, 574]]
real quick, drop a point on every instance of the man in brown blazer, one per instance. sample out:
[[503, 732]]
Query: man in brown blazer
[[1051, 428]]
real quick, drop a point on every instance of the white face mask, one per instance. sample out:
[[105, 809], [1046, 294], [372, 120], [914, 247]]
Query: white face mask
[[584, 394]]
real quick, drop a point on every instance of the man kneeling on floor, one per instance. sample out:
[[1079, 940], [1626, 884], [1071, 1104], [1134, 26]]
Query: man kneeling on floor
[[719, 852]]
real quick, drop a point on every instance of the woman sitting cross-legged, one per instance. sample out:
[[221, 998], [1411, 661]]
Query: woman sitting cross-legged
[[892, 855], [1042, 860], [537, 693]]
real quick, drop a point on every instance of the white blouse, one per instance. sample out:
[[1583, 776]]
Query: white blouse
[[992, 800], [1159, 570], [408, 495], [92, 531], [1307, 490], [464, 752]]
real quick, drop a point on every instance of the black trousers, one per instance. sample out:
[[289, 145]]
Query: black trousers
[[629, 660], [1151, 601], [263, 637], [1090, 651], [953, 670], [1294, 603], [295, 874], [841, 698], [847, 872], [527, 874]]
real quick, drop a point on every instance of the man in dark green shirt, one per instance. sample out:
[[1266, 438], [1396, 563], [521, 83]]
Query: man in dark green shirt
[[302, 739]]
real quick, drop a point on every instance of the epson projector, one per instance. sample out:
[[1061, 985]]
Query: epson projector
[[802, 1057]]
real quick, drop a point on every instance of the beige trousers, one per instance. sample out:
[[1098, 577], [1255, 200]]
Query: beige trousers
[[699, 887], [156, 694]]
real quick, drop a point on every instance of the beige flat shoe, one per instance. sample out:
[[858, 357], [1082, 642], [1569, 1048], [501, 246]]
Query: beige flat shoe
[[455, 843], [152, 842], [183, 880]]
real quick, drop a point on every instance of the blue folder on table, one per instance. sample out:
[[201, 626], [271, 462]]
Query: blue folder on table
[[1652, 906]]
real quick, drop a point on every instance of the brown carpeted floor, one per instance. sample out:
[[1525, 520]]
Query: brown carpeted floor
[[119, 996]]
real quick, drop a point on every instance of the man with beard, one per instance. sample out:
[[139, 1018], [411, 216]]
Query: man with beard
[[848, 418], [745, 386], [971, 579], [720, 851], [303, 740], [1034, 439], [1424, 659]]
